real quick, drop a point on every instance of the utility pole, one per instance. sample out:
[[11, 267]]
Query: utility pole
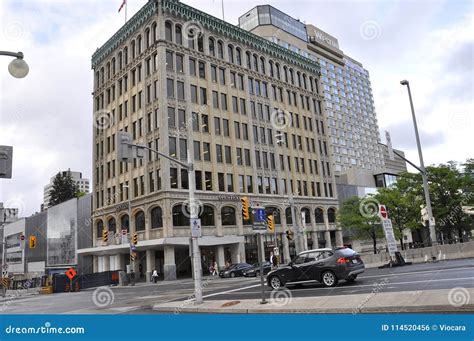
[[434, 239], [126, 152]]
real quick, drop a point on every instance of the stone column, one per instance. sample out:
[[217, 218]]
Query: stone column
[[314, 235], [327, 237], [150, 263], [339, 241], [147, 224], [120, 262], [234, 252], [169, 267], [218, 222], [220, 257], [243, 258], [95, 264], [106, 263], [286, 248]]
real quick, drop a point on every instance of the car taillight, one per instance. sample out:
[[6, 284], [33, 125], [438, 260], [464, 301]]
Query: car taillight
[[343, 260]]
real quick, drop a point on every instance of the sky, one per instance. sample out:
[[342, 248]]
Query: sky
[[47, 116]]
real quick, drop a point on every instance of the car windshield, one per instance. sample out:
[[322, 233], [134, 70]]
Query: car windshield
[[231, 266]]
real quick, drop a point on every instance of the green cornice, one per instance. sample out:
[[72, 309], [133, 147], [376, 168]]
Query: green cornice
[[214, 24], [124, 32], [221, 27]]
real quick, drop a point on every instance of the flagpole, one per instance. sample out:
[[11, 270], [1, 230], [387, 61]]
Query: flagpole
[[223, 10], [126, 11]]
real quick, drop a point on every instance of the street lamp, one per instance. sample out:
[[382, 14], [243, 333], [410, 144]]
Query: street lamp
[[423, 170], [17, 67]]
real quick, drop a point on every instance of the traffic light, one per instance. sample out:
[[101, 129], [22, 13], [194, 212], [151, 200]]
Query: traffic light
[[133, 256], [105, 235], [32, 242], [289, 235], [124, 146], [271, 223], [135, 238], [245, 208]]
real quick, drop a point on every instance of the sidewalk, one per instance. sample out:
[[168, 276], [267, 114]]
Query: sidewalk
[[282, 302], [18, 293]]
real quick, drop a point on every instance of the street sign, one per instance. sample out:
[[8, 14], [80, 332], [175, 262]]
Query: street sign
[[196, 230], [389, 236], [124, 236], [258, 219], [22, 237], [383, 212], [71, 273]]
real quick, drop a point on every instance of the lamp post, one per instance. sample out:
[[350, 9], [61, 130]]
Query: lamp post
[[17, 67], [433, 238], [132, 263]]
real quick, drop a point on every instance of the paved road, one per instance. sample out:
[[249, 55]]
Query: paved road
[[138, 299]]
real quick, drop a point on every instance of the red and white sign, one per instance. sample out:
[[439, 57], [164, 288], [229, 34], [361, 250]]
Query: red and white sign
[[22, 237], [383, 212], [124, 232]]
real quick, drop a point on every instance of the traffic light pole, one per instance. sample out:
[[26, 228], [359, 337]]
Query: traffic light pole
[[193, 208]]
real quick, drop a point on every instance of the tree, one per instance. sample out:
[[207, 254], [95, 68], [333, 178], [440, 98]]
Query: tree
[[64, 188], [359, 216], [403, 206]]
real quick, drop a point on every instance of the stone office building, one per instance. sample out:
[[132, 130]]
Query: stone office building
[[180, 80]]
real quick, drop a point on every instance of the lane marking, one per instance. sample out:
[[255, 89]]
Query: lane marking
[[358, 286], [415, 273], [231, 291]]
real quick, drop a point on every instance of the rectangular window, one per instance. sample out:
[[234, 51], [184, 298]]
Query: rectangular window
[[215, 100], [224, 102], [219, 153], [205, 123], [214, 73], [179, 63], [170, 87], [180, 86], [203, 96], [245, 131], [208, 180], [221, 182], [237, 130], [241, 184], [194, 94], [230, 182], [206, 151], [184, 179], [222, 76], [235, 105], [240, 161], [225, 127], [247, 157], [198, 180], [195, 121], [228, 154], [171, 117], [192, 67], [181, 119], [202, 70], [197, 150], [249, 184], [217, 125], [173, 177], [172, 146]]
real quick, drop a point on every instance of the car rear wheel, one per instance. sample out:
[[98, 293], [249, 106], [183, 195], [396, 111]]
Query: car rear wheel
[[232, 274], [275, 283], [329, 279]]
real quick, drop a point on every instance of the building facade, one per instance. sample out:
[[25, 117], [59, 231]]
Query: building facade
[[58, 232], [352, 122], [82, 185], [249, 111]]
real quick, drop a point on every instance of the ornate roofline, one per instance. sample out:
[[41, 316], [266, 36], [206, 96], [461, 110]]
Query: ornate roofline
[[124, 32], [211, 23], [222, 27]]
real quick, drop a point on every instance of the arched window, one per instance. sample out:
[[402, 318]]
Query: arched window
[[191, 38], [212, 47], [207, 216], [112, 225], [270, 62], [124, 223], [255, 62], [285, 71], [120, 60], [139, 44], [154, 31], [289, 218], [156, 218], [200, 41], [307, 215], [113, 66], [220, 50], [319, 216], [147, 38], [102, 76], [331, 215], [97, 79], [249, 60], [228, 216], [179, 218], [311, 84], [132, 48], [125, 55], [262, 65], [179, 35], [277, 69], [292, 78], [100, 227], [275, 211], [238, 56], [304, 82], [168, 31], [140, 221], [298, 76], [108, 70], [230, 53]]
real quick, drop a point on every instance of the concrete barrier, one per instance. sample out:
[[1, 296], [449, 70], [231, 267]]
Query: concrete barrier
[[420, 255]]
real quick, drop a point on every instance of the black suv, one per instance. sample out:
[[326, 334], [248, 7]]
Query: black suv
[[326, 266]]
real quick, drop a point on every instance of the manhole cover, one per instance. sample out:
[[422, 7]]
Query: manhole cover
[[231, 303]]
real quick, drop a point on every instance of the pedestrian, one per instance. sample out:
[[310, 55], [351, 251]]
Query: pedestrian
[[154, 276], [271, 257], [275, 262], [214, 265]]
